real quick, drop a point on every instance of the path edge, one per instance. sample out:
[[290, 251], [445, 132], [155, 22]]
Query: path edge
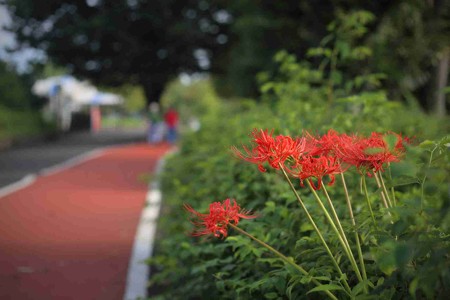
[[29, 179], [138, 270]]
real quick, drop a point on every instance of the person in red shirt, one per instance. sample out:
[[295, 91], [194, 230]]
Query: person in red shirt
[[171, 119]]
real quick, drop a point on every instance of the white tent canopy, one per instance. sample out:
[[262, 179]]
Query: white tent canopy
[[66, 95], [78, 92]]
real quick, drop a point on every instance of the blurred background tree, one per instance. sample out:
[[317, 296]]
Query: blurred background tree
[[13, 91], [134, 97], [195, 98], [117, 42], [408, 40], [18, 115], [411, 44], [150, 42]]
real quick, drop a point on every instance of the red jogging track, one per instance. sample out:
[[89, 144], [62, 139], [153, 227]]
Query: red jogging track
[[69, 235]]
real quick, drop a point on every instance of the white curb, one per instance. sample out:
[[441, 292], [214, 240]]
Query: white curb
[[138, 270]]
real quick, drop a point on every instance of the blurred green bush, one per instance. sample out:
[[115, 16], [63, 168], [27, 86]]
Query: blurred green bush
[[18, 120], [16, 125]]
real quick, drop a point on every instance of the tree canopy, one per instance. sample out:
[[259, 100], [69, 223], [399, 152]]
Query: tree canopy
[[12, 91], [128, 41], [147, 42]]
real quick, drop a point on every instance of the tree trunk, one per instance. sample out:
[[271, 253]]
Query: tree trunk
[[153, 89], [439, 103]]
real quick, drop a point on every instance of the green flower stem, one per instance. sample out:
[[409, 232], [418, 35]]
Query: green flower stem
[[363, 180], [340, 234], [283, 257], [336, 218], [352, 218], [325, 245], [422, 184], [384, 189], [328, 217], [392, 188], [347, 198], [382, 193]]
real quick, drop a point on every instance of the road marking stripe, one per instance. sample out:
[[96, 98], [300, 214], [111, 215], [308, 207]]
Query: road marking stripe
[[71, 162], [13, 187], [79, 159]]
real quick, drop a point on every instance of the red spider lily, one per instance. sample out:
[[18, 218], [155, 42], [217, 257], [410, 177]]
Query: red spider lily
[[326, 144], [310, 167], [220, 215], [274, 150], [370, 153]]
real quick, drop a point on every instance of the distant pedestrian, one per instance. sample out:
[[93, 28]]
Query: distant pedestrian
[[171, 120], [155, 124]]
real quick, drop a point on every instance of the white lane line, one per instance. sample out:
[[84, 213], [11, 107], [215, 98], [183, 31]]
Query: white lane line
[[138, 270], [13, 187], [30, 178], [79, 159]]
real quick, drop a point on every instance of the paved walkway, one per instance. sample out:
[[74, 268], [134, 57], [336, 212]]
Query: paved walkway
[[69, 234], [20, 161]]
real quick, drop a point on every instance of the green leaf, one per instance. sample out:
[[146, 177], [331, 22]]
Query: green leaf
[[336, 76], [446, 90], [403, 180], [289, 291], [356, 291], [220, 284], [390, 140], [343, 277], [427, 144], [315, 52], [266, 87], [360, 53], [445, 141], [344, 48], [404, 168], [270, 206], [326, 287], [403, 254], [271, 295], [380, 281], [413, 286], [306, 279], [358, 288], [384, 257], [324, 278], [306, 226]]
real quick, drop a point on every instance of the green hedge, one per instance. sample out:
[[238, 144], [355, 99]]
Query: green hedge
[[204, 171], [17, 124], [406, 256]]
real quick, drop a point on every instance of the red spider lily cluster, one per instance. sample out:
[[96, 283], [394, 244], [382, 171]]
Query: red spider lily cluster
[[219, 216], [274, 150], [310, 156], [307, 157]]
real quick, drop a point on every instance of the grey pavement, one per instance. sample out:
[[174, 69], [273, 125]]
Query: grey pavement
[[18, 162]]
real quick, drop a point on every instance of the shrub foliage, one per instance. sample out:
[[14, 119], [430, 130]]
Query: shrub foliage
[[405, 254]]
